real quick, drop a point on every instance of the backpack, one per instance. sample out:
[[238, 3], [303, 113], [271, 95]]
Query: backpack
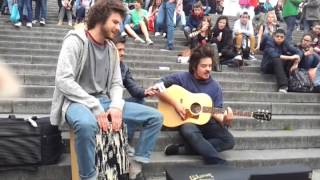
[[299, 81], [29, 143]]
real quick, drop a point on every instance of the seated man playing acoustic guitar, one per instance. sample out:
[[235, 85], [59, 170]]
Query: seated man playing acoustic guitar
[[212, 137]]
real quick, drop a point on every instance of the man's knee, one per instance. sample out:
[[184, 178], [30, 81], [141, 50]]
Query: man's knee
[[86, 126], [189, 131], [229, 143]]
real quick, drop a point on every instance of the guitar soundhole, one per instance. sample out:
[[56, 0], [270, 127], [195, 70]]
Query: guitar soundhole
[[195, 108]]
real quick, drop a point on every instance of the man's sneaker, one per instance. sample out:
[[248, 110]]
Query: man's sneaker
[[157, 34], [251, 57], [42, 22], [149, 42], [29, 24], [164, 35], [69, 23], [18, 24], [238, 57], [35, 21], [283, 89], [172, 149], [135, 169]]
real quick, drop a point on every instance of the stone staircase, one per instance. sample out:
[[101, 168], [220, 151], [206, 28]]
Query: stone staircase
[[293, 135]]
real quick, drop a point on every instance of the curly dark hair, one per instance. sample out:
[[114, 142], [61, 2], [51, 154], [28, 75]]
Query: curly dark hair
[[199, 53], [102, 10]]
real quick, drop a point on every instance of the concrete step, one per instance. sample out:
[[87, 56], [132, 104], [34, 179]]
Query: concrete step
[[254, 140], [156, 60], [57, 45], [47, 92], [42, 106], [45, 80], [45, 69], [240, 158], [156, 168]]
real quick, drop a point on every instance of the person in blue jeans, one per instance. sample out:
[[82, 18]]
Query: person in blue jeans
[[137, 92], [213, 137], [89, 90], [165, 21], [41, 12], [28, 5]]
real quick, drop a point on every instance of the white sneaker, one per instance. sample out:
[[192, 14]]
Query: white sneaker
[[164, 35], [283, 90], [134, 168], [35, 21], [29, 24], [149, 42], [42, 22], [252, 58], [18, 24], [238, 57], [157, 34], [70, 24]]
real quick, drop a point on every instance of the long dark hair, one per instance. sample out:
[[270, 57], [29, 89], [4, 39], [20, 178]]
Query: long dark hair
[[216, 26], [199, 53], [154, 5], [102, 10]]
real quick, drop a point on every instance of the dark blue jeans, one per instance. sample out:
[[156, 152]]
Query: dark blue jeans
[[291, 22], [207, 140], [28, 4], [165, 20], [80, 13], [41, 10]]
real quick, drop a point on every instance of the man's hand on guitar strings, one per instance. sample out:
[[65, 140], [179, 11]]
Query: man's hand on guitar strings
[[228, 117], [180, 110]]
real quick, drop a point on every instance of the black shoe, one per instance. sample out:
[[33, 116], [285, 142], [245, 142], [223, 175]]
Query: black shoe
[[172, 149]]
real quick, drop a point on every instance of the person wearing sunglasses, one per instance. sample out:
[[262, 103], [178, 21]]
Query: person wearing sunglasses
[[280, 58]]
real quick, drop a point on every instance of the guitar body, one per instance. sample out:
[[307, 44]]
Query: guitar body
[[194, 103]]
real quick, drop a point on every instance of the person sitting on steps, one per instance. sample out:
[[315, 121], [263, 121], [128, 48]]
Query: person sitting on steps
[[243, 29], [139, 17], [150, 125], [280, 58], [213, 137]]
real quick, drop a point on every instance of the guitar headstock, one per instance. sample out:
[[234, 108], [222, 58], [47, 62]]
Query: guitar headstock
[[262, 115]]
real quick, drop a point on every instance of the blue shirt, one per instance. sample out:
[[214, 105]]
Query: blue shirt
[[187, 81]]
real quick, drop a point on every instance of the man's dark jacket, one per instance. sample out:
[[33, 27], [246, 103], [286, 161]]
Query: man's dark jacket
[[129, 83]]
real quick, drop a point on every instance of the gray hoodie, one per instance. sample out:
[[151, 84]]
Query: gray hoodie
[[71, 60]]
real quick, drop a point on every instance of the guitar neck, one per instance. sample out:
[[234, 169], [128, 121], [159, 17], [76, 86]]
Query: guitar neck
[[236, 113]]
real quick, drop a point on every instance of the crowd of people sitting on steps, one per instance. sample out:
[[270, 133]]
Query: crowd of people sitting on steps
[[253, 32]]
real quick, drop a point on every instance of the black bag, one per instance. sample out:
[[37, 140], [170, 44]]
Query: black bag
[[299, 81], [29, 142]]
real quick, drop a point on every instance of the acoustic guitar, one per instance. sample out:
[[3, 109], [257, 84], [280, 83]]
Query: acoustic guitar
[[199, 108]]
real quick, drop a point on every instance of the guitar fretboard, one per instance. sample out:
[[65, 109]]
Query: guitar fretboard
[[221, 111]]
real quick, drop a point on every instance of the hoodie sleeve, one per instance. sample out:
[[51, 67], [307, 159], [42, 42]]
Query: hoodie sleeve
[[68, 63], [116, 90]]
